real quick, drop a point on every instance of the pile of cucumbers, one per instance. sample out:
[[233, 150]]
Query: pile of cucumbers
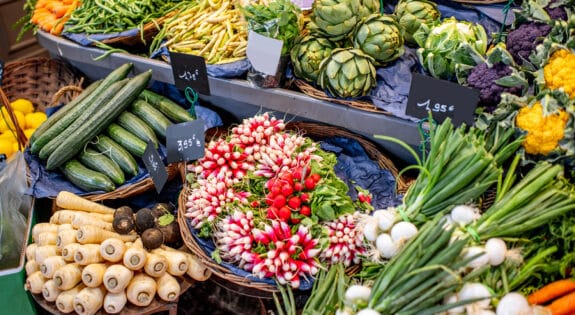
[[95, 139]]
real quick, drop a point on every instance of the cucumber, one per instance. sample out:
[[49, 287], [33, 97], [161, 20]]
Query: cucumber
[[70, 116], [116, 153], [126, 139], [153, 117], [85, 178], [63, 111], [96, 106], [138, 127], [168, 107], [99, 120], [97, 161]]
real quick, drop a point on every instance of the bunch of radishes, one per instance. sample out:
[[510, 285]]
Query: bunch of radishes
[[385, 233], [345, 242]]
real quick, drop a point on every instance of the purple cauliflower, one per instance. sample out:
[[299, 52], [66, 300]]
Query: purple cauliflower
[[557, 13], [482, 78], [523, 40]]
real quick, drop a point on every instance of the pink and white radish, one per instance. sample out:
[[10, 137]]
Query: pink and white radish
[[345, 244]]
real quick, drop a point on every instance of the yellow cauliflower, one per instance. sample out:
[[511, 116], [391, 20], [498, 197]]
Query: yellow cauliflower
[[559, 72], [543, 131]]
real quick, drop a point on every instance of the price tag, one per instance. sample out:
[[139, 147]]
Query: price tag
[[442, 98], [185, 141], [190, 70], [264, 52], [155, 166]]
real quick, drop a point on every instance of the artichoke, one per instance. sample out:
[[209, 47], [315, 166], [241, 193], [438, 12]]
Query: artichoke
[[335, 18], [412, 13], [450, 44], [306, 55], [347, 72], [368, 7], [380, 37]]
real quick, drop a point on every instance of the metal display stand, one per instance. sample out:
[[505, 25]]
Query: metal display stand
[[242, 100]]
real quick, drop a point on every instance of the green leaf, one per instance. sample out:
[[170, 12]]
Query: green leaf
[[325, 212], [216, 256], [166, 219]]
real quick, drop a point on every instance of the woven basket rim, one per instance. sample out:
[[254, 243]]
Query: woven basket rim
[[480, 1], [240, 284], [149, 30]]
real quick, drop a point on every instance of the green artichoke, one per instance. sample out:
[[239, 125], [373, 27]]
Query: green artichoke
[[335, 19], [450, 44], [380, 37], [306, 55], [347, 72], [368, 7], [412, 13]]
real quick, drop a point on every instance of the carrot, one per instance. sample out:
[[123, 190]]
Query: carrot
[[68, 200], [551, 291], [565, 305]]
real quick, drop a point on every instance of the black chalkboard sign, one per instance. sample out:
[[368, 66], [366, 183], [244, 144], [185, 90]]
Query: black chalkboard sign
[[190, 71], [442, 98], [185, 141], [155, 166]]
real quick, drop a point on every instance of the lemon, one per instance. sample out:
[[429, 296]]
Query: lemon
[[21, 118], [15, 147], [23, 105], [8, 135], [28, 133], [34, 120], [6, 147], [6, 122]]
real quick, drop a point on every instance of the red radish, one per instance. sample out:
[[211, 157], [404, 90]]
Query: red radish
[[295, 220], [287, 190], [305, 210], [309, 183], [304, 197], [284, 213], [294, 202], [279, 201], [316, 177], [272, 213], [297, 186]]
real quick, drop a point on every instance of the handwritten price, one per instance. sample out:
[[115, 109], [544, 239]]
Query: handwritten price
[[438, 108], [189, 75]]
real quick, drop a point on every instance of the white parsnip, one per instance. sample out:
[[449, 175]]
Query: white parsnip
[[117, 278], [34, 282], [66, 216], [64, 227], [31, 267], [89, 234], [50, 291], [93, 274], [89, 300], [68, 276], [81, 220], [88, 254], [69, 251], [65, 301], [135, 256], [141, 290], [114, 302], [43, 252], [47, 238], [41, 228], [156, 265], [65, 237], [168, 287], [197, 270], [68, 200], [31, 251], [177, 261], [50, 265], [113, 249]]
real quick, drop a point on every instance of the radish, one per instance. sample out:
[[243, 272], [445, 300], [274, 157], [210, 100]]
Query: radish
[[294, 202]]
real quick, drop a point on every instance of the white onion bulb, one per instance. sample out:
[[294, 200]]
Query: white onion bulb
[[403, 231], [496, 251], [464, 214], [513, 303], [385, 245]]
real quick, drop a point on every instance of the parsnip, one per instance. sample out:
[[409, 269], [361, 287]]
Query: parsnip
[[92, 234], [66, 216], [50, 291], [64, 227], [68, 200], [114, 302], [69, 251], [93, 274], [155, 265], [65, 237], [65, 301], [31, 251], [89, 300], [34, 283], [31, 267], [168, 287], [43, 227], [197, 270], [50, 265], [88, 254], [141, 290], [117, 278], [177, 261], [68, 276], [135, 256], [43, 252], [113, 249], [81, 220], [47, 238]]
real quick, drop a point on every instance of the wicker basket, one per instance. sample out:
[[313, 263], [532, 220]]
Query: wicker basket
[[480, 1], [147, 34], [309, 90], [241, 285], [39, 79]]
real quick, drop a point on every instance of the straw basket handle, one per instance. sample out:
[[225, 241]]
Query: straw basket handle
[[20, 136], [74, 89]]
